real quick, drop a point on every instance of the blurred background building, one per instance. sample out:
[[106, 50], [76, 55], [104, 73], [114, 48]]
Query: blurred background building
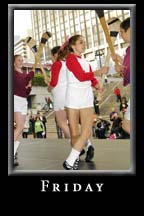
[[64, 23]]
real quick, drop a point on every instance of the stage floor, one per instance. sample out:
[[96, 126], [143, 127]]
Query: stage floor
[[48, 155]]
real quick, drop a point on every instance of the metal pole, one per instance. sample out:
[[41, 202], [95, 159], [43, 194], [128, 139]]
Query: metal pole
[[99, 53]]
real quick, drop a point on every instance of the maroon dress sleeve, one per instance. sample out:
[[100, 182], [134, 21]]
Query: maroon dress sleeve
[[29, 76]]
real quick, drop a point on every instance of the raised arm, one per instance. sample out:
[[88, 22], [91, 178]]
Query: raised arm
[[46, 79]]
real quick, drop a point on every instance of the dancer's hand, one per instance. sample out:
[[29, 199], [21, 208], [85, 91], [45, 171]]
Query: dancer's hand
[[116, 57], [99, 89], [104, 70], [120, 69]]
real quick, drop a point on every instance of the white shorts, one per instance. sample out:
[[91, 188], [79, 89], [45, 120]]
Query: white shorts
[[20, 105], [127, 113], [59, 95], [78, 98], [59, 105]]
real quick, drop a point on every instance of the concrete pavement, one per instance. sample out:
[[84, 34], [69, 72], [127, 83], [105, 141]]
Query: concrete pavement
[[48, 155]]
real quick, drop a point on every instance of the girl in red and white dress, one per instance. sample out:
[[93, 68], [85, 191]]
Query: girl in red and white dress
[[79, 98], [22, 88], [57, 86]]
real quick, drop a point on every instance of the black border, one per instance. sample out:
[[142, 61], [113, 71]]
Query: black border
[[84, 177]]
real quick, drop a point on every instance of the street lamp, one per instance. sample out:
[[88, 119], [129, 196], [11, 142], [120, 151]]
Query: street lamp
[[99, 53]]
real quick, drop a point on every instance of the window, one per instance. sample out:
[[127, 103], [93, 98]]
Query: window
[[75, 13], [81, 12], [77, 28], [51, 18], [53, 36], [71, 23], [88, 23], [62, 33], [62, 27], [82, 25], [67, 31], [76, 21], [89, 42], [72, 29], [57, 28], [88, 31], [70, 15], [87, 16], [64, 13], [96, 41], [52, 24], [113, 13], [63, 39], [126, 13], [106, 16], [81, 18], [94, 21], [101, 38], [93, 14], [83, 33], [66, 25], [118, 12], [52, 30], [94, 29], [61, 20]]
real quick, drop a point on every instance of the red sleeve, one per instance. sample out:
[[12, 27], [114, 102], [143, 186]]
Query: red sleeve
[[55, 70], [74, 66], [94, 81], [30, 76]]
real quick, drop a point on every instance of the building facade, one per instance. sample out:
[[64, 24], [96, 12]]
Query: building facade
[[64, 23], [22, 49]]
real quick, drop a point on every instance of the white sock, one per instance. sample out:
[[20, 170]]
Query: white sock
[[16, 145], [72, 157], [88, 143]]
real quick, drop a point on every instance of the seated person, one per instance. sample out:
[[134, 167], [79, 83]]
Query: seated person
[[117, 128], [112, 114], [102, 128]]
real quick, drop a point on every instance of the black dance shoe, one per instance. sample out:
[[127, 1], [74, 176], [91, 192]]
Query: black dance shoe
[[76, 164], [16, 163], [89, 154], [82, 152], [69, 167]]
